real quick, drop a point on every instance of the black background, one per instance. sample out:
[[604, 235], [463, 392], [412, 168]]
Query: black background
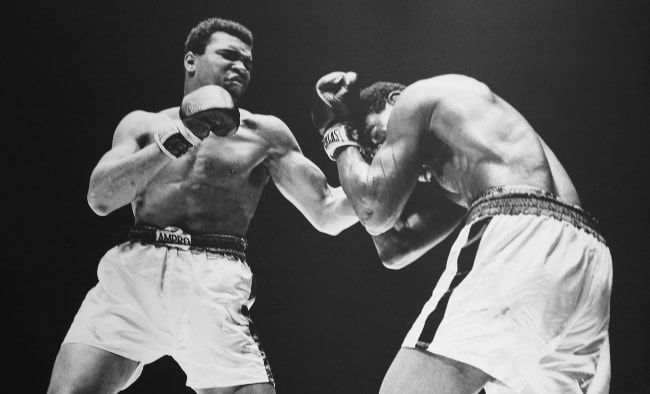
[[330, 317]]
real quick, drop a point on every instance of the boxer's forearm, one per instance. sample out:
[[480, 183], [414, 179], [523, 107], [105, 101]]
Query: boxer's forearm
[[397, 249], [366, 192], [337, 212], [427, 219], [305, 186], [407, 242], [116, 182]]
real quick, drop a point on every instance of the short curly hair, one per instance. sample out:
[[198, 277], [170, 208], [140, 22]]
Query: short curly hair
[[374, 97], [200, 35], [373, 100]]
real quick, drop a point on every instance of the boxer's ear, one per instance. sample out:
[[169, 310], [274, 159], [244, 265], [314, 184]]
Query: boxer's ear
[[393, 96], [189, 61]]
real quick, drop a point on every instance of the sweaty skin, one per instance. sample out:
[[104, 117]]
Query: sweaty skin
[[454, 131], [214, 187], [466, 137], [489, 143], [217, 185]]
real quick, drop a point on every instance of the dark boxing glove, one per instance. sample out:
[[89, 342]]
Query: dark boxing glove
[[210, 109], [335, 111], [207, 109]]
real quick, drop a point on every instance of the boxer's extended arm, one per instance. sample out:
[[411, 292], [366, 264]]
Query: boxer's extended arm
[[428, 218], [379, 190], [130, 164], [302, 183]]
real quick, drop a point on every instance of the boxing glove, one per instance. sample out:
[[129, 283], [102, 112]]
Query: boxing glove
[[202, 111], [335, 111], [176, 139], [210, 109]]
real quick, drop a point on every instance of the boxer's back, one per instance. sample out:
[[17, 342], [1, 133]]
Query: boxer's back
[[484, 142]]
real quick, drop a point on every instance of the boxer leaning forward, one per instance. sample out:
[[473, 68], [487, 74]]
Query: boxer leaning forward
[[523, 304]]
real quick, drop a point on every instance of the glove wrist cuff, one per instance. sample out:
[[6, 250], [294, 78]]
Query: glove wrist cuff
[[175, 142], [338, 136], [192, 138]]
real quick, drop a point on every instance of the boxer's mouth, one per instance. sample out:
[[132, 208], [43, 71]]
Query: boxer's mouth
[[236, 79]]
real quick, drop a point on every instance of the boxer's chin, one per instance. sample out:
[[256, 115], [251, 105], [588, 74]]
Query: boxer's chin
[[235, 88]]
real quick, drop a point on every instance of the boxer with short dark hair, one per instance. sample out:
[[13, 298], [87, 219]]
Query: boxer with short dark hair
[[373, 100], [180, 285], [523, 304]]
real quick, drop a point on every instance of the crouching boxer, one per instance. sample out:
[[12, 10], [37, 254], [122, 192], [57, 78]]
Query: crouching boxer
[[523, 305], [180, 285]]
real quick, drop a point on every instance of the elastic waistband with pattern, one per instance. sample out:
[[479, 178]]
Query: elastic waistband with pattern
[[176, 237], [524, 200]]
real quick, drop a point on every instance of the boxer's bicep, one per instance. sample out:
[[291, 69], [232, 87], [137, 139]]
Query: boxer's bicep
[[132, 134], [131, 162]]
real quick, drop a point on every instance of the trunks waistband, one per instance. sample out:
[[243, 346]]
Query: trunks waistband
[[175, 237], [526, 200]]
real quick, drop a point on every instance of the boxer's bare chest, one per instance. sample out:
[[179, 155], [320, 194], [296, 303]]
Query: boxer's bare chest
[[214, 187], [219, 159]]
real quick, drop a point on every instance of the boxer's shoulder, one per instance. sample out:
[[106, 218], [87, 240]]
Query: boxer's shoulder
[[273, 131], [442, 87], [266, 125], [142, 122], [171, 112]]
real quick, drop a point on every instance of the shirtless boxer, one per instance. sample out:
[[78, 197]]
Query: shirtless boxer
[[523, 304], [180, 285]]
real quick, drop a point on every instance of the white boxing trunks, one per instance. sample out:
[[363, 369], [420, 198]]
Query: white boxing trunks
[[166, 292], [525, 296]]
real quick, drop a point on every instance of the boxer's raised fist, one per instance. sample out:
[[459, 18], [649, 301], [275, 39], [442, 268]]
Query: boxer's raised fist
[[210, 109], [336, 100], [335, 111]]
